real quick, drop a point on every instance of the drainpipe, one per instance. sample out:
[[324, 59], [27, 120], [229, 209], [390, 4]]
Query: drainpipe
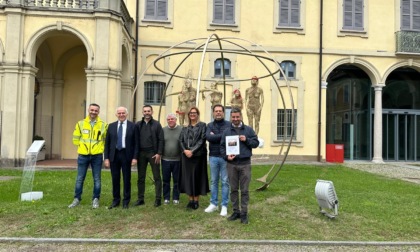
[[320, 81], [136, 60]]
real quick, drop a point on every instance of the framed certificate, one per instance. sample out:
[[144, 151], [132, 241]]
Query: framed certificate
[[232, 145]]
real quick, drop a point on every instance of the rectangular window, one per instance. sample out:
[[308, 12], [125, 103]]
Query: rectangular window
[[284, 124], [156, 9], [353, 15], [289, 13], [224, 12], [410, 15], [153, 91]]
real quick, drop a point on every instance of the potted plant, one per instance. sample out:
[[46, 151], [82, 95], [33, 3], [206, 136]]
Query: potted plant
[[41, 154]]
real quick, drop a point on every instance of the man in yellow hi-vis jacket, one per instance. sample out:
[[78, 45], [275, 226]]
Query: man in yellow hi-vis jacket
[[89, 137]]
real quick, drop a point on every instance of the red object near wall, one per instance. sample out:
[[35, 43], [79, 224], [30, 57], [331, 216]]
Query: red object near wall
[[335, 153]]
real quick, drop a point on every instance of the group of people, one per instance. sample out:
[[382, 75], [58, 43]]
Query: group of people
[[182, 151]]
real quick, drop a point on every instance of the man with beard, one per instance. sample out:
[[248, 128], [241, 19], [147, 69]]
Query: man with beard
[[239, 166], [150, 142], [217, 161]]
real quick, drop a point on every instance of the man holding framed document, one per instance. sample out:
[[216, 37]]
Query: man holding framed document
[[236, 146]]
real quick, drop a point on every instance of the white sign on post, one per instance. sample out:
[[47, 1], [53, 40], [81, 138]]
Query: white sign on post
[[26, 192], [36, 146]]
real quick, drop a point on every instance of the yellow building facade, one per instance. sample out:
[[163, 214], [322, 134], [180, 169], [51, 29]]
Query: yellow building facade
[[350, 69], [56, 58]]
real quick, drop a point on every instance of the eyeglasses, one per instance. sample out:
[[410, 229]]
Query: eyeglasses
[[192, 113]]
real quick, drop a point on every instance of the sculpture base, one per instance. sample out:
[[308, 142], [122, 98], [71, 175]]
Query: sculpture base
[[29, 196]]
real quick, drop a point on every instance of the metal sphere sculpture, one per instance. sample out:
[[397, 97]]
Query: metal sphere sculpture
[[230, 45]]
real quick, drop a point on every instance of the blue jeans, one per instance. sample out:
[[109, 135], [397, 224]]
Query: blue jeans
[[170, 168], [218, 171], [83, 162]]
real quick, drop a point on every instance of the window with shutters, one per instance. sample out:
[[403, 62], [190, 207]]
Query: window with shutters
[[410, 15], [218, 70], [353, 15], [224, 11], [156, 13], [156, 9], [223, 15], [153, 91], [289, 13]]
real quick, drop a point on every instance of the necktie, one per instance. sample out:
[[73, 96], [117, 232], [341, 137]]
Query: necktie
[[120, 135]]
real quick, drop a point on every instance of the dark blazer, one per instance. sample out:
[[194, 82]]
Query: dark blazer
[[112, 138]]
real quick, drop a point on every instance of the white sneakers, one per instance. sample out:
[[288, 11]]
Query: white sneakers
[[211, 208], [75, 203], [95, 203], [224, 211]]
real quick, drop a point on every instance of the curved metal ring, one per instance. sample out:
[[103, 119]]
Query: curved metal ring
[[203, 48]]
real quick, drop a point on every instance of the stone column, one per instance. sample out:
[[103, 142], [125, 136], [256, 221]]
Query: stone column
[[126, 95], [17, 125], [104, 78], [18, 93], [57, 119], [323, 137], [44, 113], [377, 125]]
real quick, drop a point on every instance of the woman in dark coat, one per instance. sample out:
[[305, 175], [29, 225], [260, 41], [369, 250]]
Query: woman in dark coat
[[193, 178]]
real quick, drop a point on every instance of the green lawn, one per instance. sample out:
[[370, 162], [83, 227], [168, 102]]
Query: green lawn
[[372, 208]]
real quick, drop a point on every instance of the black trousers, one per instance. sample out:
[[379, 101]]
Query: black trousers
[[144, 159], [118, 166], [239, 179]]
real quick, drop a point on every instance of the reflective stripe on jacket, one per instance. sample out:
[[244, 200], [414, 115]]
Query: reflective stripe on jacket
[[90, 140]]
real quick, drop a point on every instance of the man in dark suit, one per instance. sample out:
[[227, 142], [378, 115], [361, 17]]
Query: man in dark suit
[[120, 154]]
